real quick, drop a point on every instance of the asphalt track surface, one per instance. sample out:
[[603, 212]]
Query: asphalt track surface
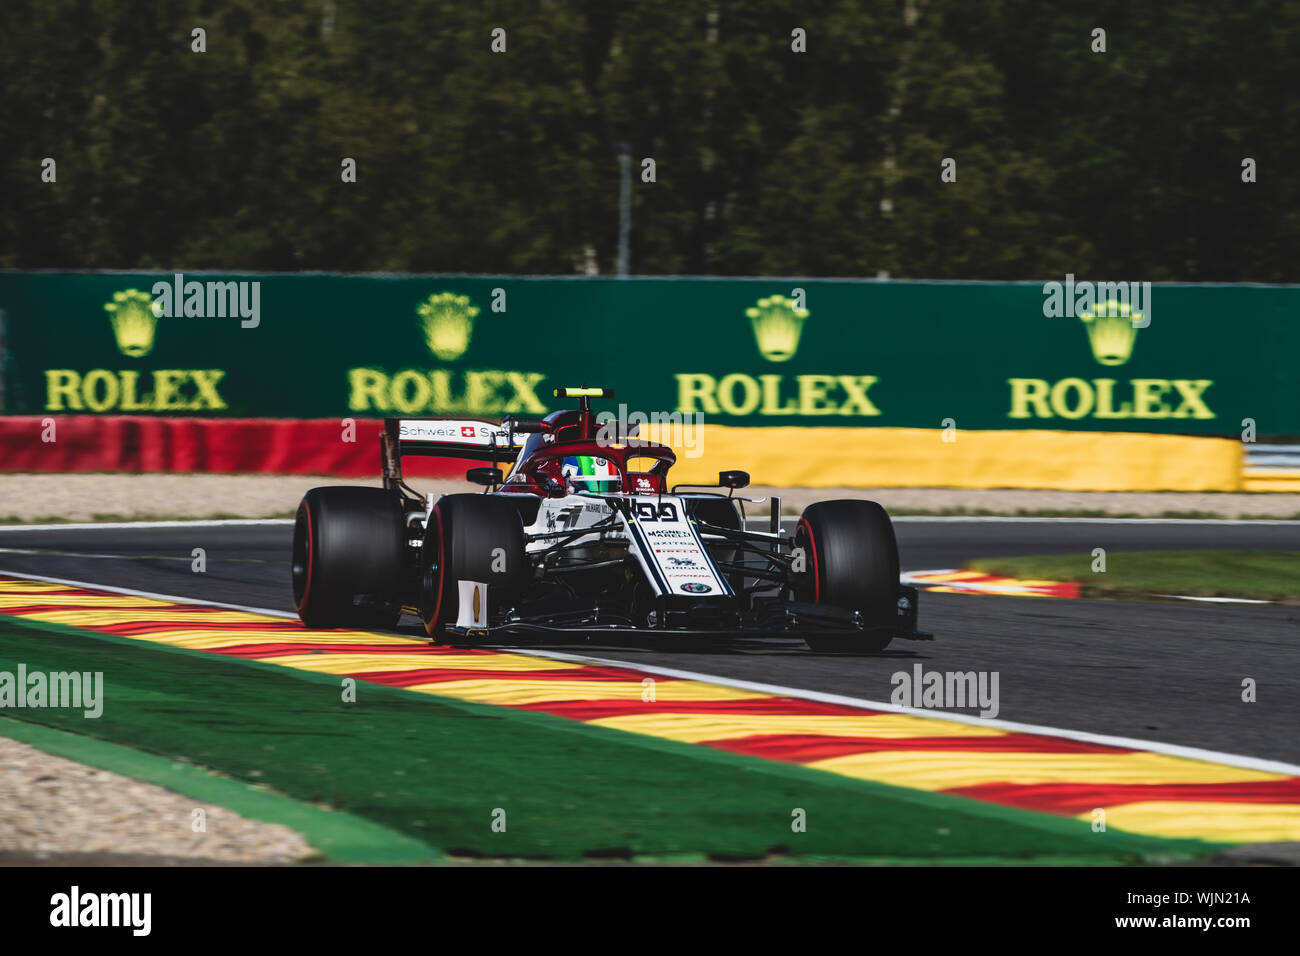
[[1166, 671]]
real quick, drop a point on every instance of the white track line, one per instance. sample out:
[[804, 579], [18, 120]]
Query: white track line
[[1215, 600], [762, 522], [941, 519], [124, 525], [1172, 750], [66, 554]]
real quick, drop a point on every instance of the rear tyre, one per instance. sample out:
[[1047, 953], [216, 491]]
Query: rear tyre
[[470, 538], [851, 562], [348, 558]]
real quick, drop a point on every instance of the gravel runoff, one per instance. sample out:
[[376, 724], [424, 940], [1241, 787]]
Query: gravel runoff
[[91, 496], [50, 806]]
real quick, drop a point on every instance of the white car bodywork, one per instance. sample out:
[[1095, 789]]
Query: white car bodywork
[[655, 528]]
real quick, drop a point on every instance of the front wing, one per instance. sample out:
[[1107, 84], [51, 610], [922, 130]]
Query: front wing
[[771, 618]]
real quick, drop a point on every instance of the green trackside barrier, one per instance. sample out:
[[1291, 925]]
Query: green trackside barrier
[[750, 352]]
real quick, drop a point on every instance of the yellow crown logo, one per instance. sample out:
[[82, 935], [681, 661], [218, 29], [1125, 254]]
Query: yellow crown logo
[[134, 322], [1111, 332], [448, 321], [777, 326]]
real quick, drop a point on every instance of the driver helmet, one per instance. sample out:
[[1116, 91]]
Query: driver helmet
[[592, 474]]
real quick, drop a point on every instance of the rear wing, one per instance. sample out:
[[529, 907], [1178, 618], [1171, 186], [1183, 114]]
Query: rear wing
[[467, 438]]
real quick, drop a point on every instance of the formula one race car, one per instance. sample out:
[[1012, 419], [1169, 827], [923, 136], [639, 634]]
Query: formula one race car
[[583, 538]]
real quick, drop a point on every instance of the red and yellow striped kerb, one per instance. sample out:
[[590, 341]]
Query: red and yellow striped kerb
[[1141, 791], [977, 582]]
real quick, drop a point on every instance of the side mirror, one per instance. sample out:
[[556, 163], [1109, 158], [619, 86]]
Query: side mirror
[[733, 479], [487, 477], [523, 425]]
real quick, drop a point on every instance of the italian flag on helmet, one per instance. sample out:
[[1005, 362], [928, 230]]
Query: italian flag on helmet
[[591, 474]]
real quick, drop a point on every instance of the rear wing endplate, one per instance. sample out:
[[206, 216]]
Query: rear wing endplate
[[467, 438]]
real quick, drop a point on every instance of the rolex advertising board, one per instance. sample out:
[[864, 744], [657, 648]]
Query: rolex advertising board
[[1061, 354]]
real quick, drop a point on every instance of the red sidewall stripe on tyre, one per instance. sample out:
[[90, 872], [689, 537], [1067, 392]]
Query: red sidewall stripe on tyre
[[311, 551], [812, 546], [442, 574]]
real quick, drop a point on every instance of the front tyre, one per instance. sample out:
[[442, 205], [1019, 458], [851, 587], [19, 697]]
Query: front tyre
[[850, 562], [348, 558], [470, 538]]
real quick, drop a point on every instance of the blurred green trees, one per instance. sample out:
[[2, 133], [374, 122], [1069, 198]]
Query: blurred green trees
[[1122, 165]]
